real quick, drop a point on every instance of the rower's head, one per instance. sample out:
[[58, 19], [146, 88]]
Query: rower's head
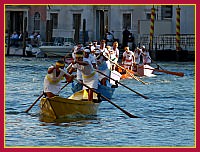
[[126, 49], [115, 44], [60, 64], [108, 47], [90, 44], [86, 52], [103, 43], [95, 43], [79, 56], [143, 47], [97, 53]]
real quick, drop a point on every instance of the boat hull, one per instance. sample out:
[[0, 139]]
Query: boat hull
[[56, 50], [145, 70], [142, 70], [103, 90], [59, 107]]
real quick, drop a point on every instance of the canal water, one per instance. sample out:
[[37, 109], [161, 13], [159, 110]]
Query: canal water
[[167, 118]]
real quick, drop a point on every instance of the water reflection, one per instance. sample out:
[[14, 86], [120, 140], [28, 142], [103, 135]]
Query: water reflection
[[67, 121]]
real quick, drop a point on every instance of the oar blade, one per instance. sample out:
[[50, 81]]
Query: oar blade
[[124, 111], [180, 74], [34, 103]]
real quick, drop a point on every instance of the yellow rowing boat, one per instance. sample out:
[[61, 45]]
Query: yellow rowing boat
[[77, 104]]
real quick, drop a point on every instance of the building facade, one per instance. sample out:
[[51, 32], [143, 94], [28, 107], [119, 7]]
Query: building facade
[[25, 18], [94, 21]]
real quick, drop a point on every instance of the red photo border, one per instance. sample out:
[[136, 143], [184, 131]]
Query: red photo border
[[112, 149]]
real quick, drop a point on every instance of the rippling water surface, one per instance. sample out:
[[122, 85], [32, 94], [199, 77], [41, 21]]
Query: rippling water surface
[[166, 119]]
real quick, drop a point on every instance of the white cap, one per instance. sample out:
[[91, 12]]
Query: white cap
[[87, 50], [143, 47]]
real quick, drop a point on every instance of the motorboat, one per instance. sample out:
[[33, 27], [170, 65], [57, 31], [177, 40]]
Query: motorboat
[[60, 47]]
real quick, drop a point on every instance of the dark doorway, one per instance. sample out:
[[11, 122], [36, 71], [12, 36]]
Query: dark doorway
[[101, 23], [76, 26], [16, 21]]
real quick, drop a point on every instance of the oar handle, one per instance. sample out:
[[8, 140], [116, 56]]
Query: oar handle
[[69, 66], [122, 85]]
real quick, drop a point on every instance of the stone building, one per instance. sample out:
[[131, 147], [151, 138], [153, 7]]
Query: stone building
[[94, 21]]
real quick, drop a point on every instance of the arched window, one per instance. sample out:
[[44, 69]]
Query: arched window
[[37, 22]]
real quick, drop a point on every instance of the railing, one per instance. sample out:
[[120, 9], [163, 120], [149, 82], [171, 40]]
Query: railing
[[168, 41]]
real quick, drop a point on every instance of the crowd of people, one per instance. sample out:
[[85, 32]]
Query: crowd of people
[[87, 61], [16, 37]]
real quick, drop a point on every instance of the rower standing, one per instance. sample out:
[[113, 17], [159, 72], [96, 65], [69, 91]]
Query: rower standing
[[146, 56], [102, 66], [114, 55], [90, 77], [87, 54], [128, 58], [136, 61], [104, 51], [95, 44]]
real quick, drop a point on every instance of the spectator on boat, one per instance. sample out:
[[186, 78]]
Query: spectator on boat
[[145, 56], [31, 36], [52, 81], [89, 75], [102, 66], [128, 58], [20, 36], [14, 39]]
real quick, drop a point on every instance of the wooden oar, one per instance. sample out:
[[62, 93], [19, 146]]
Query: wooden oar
[[132, 75], [124, 111], [180, 74], [123, 85], [34, 103], [41, 96]]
